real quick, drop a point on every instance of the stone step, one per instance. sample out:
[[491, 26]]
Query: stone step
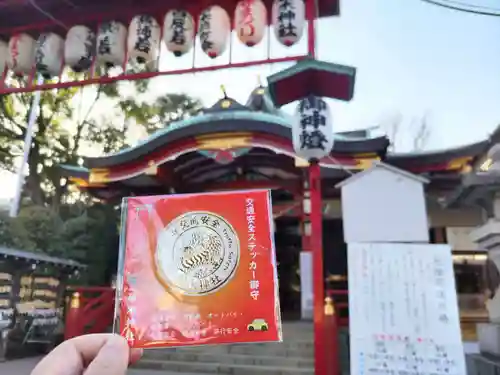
[[281, 351], [296, 349], [237, 359], [222, 368]]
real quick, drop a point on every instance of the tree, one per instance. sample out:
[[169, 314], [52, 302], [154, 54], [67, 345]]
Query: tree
[[64, 131], [89, 236], [412, 136]]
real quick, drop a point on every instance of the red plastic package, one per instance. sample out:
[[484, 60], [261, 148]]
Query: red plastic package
[[197, 269]]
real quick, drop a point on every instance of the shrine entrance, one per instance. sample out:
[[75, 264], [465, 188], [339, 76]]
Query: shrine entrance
[[287, 240]]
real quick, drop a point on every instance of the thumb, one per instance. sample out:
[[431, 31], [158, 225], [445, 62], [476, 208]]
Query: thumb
[[112, 358]]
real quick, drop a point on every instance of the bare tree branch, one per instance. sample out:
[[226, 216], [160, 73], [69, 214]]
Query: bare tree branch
[[418, 132]]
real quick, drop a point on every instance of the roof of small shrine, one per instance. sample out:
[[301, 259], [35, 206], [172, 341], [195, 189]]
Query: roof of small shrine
[[38, 258], [231, 139]]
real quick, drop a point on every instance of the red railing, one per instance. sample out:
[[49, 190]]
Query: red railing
[[89, 310]]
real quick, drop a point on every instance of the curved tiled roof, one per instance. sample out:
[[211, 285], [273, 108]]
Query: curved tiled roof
[[226, 116], [264, 122], [437, 156]]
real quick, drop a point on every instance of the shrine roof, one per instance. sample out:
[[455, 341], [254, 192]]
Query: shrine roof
[[59, 15], [39, 257], [480, 181], [231, 143], [257, 116], [437, 156]]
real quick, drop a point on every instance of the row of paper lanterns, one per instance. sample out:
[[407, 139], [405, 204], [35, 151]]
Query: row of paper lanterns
[[110, 46]]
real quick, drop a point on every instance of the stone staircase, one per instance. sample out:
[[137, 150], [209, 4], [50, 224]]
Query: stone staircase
[[294, 356]]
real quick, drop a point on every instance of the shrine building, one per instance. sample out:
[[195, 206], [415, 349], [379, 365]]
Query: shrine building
[[232, 146]]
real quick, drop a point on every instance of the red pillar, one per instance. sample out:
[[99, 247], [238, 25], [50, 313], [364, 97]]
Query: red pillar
[[331, 338], [311, 13], [318, 273]]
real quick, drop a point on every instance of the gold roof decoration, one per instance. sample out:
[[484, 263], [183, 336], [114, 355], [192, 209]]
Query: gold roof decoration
[[226, 103]]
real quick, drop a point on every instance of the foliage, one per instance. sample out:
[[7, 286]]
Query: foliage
[[89, 237], [65, 130], [68, 126]]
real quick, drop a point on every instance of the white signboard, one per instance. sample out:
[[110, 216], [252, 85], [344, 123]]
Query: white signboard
[[306, 285], [403, 310]]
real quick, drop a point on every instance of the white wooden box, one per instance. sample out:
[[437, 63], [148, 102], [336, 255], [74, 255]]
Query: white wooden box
[[384, 204]]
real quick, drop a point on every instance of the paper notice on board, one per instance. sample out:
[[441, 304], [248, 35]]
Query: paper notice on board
[[403, 310]]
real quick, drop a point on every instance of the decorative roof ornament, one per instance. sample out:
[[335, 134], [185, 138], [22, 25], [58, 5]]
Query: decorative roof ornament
[[226, 104], [260, 87], [259, 100], [224, 92]]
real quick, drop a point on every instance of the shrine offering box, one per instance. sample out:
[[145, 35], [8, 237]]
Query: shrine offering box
[[197, 269]]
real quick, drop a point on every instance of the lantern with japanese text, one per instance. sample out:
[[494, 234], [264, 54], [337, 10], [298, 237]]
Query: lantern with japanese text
[[178, 31], [111, 41], [4, 52], [144, 36], [289, 19], [79, 48], [250, 21], [214, 29], [21, 55], [312, 132], [49, 55]]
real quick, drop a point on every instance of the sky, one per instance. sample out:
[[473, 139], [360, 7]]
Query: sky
[[412, 59]]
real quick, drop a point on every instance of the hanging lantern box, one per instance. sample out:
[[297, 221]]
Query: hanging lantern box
[[111, 43], [214, 28], [289, 20], [312, 77], [49, 55], [21, 54], [80, 48], [250, 21], [144, 36], [4, 51], [82, 21], [25, 15], [178, 31]]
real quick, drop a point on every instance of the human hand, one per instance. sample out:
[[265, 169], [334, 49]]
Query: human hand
[[100, 354]]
